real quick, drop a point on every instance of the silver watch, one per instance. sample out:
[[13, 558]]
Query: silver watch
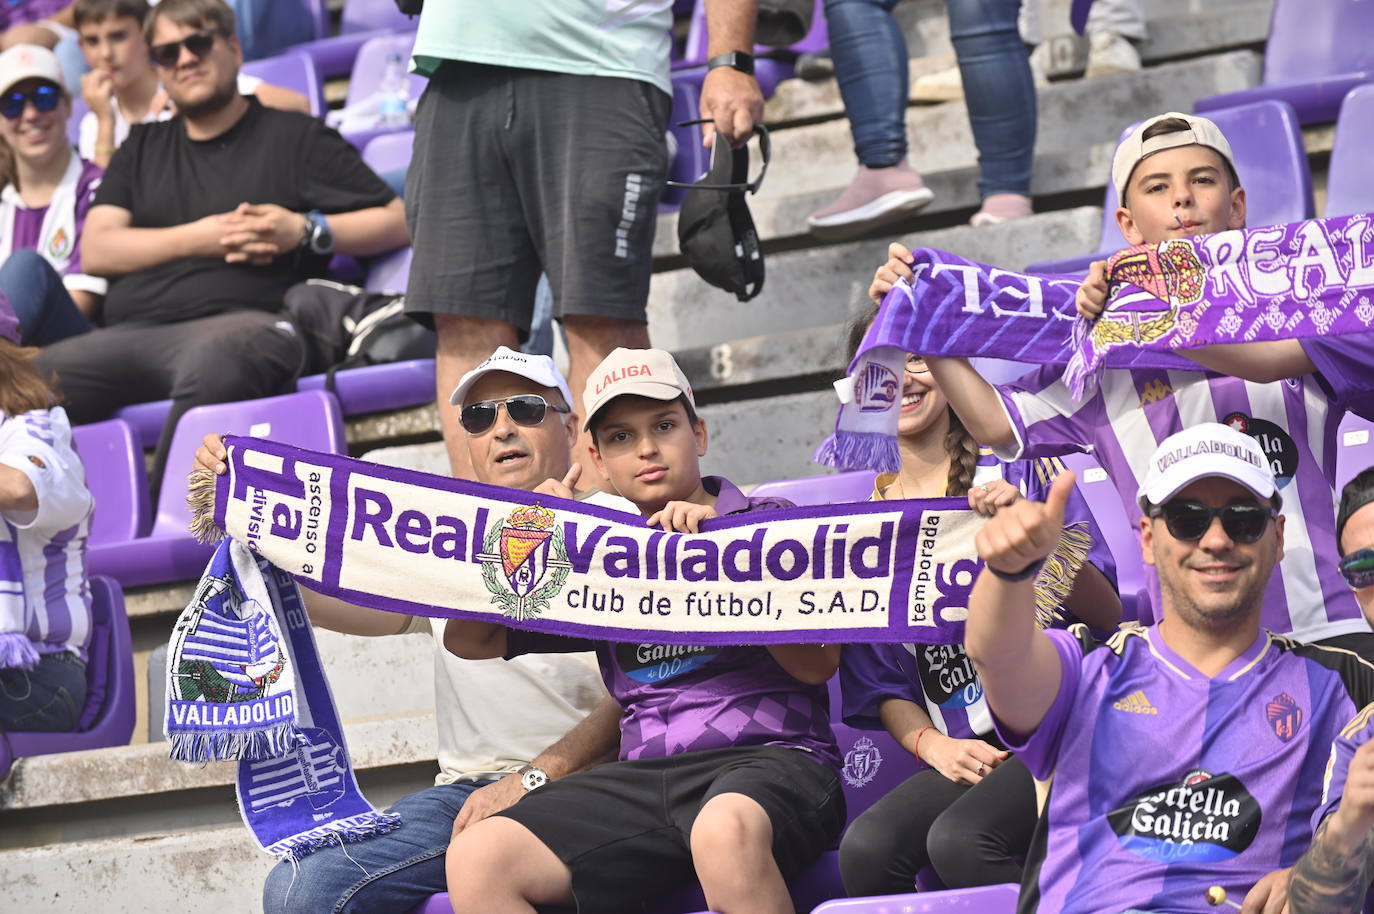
[[532, 778]]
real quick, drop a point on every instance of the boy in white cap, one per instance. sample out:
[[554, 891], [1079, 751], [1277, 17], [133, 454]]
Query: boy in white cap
[[1180, 756], [1176, 177]]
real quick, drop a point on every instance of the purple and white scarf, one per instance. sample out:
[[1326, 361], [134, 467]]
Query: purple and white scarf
[[16, 648], [1295, 281]]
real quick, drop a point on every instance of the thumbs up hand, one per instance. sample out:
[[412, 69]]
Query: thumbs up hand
[[1022, 534]]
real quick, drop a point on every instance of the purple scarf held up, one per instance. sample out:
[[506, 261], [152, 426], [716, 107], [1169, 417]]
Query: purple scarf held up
[[1305, 279]]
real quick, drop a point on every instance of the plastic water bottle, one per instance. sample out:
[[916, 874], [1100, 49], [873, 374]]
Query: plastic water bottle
[[394, 94]]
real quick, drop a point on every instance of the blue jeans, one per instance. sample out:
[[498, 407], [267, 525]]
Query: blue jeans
[[46, 312], [388, 874], [870, 57], [45, 699], [267, 27]]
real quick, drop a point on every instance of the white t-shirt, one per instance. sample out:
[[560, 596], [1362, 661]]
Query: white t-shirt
[[90, 126]]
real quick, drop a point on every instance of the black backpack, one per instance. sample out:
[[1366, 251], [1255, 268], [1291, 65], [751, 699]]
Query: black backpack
[[343, 326], [410, 7]]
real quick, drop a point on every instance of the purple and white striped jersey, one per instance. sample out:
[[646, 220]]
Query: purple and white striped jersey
[[1295, 421], [47, 561], [1163, 782], [1355, 735]]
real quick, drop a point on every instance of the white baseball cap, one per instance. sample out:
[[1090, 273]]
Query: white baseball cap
[[28, 61], [537, 368], [1200, 132], [650, 373], [1209, 449]]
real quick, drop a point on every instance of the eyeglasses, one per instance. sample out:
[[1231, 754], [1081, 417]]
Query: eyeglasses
[[1358, 569], [1189, 521], [765, 150], [525, 409], [198, 43], [916, 365], [44, 98]]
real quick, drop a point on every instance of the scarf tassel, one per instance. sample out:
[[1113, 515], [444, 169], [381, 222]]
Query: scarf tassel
[[236, 745], [1055, 581], [865, 450], [17, 652], [334, 834], [201, 500]]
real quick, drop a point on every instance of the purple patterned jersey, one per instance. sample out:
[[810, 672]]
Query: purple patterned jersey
[[1163, 782]]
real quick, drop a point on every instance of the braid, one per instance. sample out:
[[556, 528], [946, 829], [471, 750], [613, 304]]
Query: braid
[[963, 456]]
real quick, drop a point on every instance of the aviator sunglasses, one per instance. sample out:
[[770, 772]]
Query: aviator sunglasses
[[198, 43], [1358, 569], [44, 98], [524, 409], [1188, 521]]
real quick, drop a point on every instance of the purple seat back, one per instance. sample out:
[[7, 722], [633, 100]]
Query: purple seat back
[[319, 11], [146, 419], [1117, 529], [835, 489], [691, 159], [292, 70], [990, 899], [376, 388], [367, 15], [113, 457], [389, 151], [370, 65], [1349, 187], [1356, 449], [390, 272]]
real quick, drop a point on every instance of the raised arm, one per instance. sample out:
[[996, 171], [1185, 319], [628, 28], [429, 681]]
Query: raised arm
[[730, 98], [1272, 360]]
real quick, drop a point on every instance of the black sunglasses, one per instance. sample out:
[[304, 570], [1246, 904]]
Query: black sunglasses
[[1189, 521], [198, 43], [765, 150], [1358, 569], [525, 409], [44, 98]]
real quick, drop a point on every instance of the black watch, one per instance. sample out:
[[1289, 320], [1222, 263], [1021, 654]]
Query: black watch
[[736, 60], [318, 237]]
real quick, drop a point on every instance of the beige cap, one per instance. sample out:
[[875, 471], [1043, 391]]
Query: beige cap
[[1200, 132], [28, 61], [650, 373]]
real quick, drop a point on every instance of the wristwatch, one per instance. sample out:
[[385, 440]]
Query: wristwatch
[[318, 237], [735, 60], [532, 778]]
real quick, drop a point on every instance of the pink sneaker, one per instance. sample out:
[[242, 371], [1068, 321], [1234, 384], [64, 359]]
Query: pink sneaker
[[1000, 208], [875, 197]]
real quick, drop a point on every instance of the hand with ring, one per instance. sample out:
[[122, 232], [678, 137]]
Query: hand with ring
[[987, 498]]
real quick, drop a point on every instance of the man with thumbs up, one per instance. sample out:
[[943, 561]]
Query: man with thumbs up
[[1183, 755]]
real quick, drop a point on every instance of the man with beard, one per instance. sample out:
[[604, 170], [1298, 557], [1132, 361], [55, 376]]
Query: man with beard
[[201, 224]]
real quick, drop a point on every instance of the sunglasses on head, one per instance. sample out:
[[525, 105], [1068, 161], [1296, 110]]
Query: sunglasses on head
[[198, 43], [44, 98], [1189, 521], [525, 409], [1358, 569]]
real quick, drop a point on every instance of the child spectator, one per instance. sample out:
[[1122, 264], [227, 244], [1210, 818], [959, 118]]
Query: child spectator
[[45, 600], [973, 807], [711, 780], [47, 191], [1176, 178], [122, 88]]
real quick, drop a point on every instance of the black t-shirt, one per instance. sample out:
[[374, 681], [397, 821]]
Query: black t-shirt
[[163, 178]]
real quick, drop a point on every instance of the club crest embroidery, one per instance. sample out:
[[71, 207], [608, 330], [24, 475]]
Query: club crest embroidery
[[878, 388], [861, 762], [1284, 716], [60, 245], [524, 562]]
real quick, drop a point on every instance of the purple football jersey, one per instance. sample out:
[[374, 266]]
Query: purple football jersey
[[64, 253], [1164, 782]]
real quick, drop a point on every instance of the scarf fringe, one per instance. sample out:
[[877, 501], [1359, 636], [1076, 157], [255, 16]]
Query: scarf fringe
[[860, 451], [1055, 581], [332, 834], [17, 652], [201, 500], [236, 745]]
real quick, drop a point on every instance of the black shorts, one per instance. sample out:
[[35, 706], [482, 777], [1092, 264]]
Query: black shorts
[[623, 828], [517, 172]]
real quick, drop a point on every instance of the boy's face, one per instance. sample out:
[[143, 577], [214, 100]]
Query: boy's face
[[649, 450], [115, 45], [1178, 193]]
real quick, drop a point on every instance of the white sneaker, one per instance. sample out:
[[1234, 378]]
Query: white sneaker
[[1109, 53], [944, 86]]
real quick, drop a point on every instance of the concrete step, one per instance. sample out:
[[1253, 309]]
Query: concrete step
[[768, 438]]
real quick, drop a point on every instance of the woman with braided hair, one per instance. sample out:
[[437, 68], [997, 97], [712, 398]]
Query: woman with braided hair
[[928, 696]]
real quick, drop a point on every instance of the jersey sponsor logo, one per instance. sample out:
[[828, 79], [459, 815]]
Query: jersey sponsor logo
[[1284, 716], [878, 388], [661, 662], [947, 676], [1201, 818], [861, 762], [1155, 391], [1136, 703], [1277, 445]]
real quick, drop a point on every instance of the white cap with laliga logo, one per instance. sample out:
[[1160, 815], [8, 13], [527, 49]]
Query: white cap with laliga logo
[[1133, 149], [1209, 449], [537, 368]]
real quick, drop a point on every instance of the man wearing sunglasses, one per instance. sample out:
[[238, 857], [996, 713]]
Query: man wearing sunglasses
[[201, 224], [1183, 755]]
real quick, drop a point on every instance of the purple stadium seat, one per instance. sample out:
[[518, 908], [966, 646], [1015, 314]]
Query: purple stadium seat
[[146, 420], [1318, 50], [691, 159], [1121, 536], [361, 20], [108, 717], [377, 388], [991, 899], [390, 272], [368, 70], [308, 419], [1349, 186], [834, 489], [292, 70], [1270, 160], [1356, 453], [115, 473], [389, 151]]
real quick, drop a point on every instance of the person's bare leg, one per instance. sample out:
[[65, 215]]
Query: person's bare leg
[[591, 339], [732, 850], [498, 866], [463, 343]]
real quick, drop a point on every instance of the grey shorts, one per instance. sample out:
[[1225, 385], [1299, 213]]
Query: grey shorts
[[517, 172]]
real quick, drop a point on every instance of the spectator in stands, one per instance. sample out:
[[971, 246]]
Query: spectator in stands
[[928, 696], [122, 87], [711, 782], [48, 24], [1288, 394], [539, 146], [201, 223], [47, 192], [1113, 29], [1333, 876], [870, 57], [484, 745], [1182, 755], [45, 601]]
